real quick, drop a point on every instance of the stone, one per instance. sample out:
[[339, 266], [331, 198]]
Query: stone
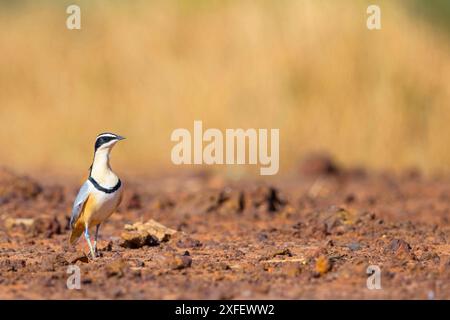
[[322, 266], [137, 239], [160, 232], [117, 268], [74, 257], [178, 262]]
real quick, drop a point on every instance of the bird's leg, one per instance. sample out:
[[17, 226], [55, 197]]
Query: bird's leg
[[95, 239], [86, 235]]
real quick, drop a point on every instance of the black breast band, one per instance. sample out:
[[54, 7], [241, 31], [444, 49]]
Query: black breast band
[[105, 190]]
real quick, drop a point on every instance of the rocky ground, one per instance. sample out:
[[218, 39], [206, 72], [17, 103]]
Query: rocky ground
[[310, 235]]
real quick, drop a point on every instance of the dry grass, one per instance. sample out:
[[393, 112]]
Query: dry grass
[[144, 68]]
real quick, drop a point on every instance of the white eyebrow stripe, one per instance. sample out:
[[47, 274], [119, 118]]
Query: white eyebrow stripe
[[107, 135]]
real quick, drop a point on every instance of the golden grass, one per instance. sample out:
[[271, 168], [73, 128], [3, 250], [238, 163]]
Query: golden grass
[[143, 68]]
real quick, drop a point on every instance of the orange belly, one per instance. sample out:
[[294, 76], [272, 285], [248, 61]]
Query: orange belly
[[89, 216]]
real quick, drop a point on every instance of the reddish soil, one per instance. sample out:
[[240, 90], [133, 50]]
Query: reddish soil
[[311, 235]]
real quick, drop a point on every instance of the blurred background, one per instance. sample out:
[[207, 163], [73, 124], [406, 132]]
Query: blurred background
[[379, 99]]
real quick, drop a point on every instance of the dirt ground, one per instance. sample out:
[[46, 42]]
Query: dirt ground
[[311, 235]]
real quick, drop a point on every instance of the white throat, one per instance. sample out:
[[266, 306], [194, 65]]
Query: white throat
[[101, 170]]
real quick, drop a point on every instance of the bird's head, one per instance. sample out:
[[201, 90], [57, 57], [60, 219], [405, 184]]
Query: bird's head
[[106, 141]]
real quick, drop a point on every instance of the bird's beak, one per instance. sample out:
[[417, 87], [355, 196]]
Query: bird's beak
[[120, 138]]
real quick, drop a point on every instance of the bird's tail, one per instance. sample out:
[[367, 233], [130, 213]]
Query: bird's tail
[[76, 233]]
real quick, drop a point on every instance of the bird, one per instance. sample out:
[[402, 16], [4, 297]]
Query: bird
[[99, 196]]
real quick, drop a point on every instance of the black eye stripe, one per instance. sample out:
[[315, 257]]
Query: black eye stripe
[[102, 140]]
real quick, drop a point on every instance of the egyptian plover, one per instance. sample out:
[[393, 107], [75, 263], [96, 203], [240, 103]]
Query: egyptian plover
[[99, 196]]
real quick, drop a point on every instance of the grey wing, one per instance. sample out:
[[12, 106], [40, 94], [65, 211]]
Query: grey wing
[[79, 202]]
